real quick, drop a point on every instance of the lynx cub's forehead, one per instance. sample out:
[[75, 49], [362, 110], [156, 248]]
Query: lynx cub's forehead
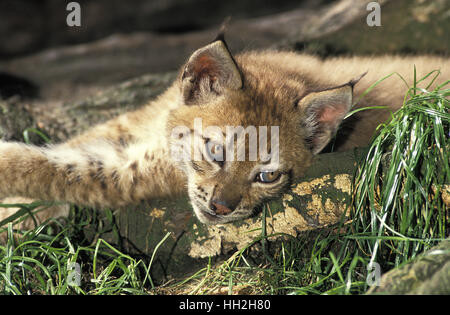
[[234, 108]]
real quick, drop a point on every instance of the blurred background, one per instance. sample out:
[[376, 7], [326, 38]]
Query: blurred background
[[47, 63]]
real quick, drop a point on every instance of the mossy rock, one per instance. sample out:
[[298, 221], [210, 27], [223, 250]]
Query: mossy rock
[[409, 27], [427, 274]]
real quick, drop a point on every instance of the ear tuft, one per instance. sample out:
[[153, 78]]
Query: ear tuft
[[209, 72], [223, 27], [353, 81], [324, 111]]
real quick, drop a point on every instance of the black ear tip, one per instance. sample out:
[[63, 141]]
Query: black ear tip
[[220, 36], [357, 79], [223, 27]]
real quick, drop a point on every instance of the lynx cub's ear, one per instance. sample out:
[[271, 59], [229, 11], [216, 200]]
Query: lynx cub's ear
[[209, 72], [324, 111]]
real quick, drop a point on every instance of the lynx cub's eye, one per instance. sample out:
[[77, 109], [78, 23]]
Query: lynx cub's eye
[[267, 177]]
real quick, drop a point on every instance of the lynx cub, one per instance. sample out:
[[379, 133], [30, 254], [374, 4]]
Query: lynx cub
[[131, 158]]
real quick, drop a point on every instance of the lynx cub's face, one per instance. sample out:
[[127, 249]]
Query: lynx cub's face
[[245, 131]]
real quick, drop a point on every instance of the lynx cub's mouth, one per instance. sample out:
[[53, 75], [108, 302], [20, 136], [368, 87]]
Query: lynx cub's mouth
[[211, 211], [210, 217], [207, 216]]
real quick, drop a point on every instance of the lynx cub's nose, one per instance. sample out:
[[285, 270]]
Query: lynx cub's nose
[[220, 207]]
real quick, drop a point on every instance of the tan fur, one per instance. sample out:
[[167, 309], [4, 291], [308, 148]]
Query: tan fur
[[127, 159]]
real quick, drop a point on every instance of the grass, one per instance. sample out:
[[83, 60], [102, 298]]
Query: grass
[[397, 212], [398, 195], [43, 261]]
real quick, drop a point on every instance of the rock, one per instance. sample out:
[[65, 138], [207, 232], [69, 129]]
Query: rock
[[407, 27], [32, 26], [427, 274], [121, 56]]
